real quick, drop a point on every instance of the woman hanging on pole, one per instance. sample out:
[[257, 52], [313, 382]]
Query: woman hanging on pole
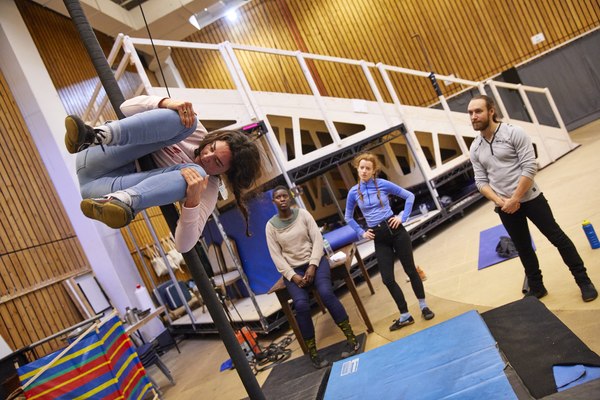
[[189, 161]]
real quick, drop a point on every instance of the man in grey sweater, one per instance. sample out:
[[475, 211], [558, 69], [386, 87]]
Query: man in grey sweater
[[504, 165]]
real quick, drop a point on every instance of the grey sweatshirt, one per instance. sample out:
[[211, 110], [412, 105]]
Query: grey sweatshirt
[[294, 242], [501, 162]]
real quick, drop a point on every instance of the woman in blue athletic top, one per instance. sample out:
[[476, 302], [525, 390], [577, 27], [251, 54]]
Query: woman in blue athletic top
[[386, 229]]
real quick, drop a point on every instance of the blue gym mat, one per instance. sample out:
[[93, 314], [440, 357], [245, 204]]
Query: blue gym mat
[[488, 239], [456, 359]]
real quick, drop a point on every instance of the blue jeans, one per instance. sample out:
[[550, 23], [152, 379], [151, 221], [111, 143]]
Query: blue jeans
[[101, 173], [389, 244], [539, 212], [322, 283]]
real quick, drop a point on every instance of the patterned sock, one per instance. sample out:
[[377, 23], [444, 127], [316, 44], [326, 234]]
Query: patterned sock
[[347, 329], [422, 303], [311, 343]]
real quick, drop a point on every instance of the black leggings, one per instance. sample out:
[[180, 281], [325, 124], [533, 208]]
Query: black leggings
[[390, 243]]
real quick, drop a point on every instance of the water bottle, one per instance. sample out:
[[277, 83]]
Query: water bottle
[[328, 249], [130, 317], [591, 234], [143, 299]]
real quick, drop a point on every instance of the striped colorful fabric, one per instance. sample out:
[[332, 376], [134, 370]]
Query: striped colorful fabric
[[102, 365]]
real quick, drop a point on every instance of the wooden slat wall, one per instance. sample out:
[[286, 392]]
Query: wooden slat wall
[[65, 57], [38, 247], [473, 39]]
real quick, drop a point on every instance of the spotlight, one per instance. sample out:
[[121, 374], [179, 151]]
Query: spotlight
[[231, 15]]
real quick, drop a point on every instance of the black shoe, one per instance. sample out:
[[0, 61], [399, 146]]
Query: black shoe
[[80, 136], [588, 292], [539, 293], [318, 363], [427, 313], [109, 210], [397, 324], [351, 349]]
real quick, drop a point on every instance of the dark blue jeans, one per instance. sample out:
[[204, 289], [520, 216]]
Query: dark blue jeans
[[538, 211], [389, 244], [322, 283]]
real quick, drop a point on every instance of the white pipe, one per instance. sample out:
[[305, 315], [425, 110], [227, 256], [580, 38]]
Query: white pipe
[[335, 136], [459, 138], [559, 118], [420, 159], [499, 101], [535, 121], [173, 43], [128, 46]]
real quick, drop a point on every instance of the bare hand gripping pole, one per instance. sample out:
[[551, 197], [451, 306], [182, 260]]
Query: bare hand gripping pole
[[192, 258]]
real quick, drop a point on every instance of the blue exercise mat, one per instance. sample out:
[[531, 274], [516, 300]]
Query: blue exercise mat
[[488, 240], [456, 359], [568, 376]]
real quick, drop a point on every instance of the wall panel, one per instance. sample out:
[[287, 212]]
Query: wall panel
[[38, 247]]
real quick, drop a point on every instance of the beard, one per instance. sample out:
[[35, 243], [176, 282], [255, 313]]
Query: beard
[[481, 125]]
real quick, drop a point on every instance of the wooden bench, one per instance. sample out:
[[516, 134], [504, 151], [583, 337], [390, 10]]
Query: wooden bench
[[339, 270]]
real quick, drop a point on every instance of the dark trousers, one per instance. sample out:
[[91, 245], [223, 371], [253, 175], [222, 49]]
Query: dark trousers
[[389, 244], [538, 211], [300, 296]]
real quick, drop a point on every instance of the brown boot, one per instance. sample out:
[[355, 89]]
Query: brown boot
[[421, 273]]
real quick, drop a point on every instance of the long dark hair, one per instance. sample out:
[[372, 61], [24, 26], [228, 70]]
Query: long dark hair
[[245, 166]]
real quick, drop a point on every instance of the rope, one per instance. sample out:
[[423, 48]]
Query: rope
[[154, 48]]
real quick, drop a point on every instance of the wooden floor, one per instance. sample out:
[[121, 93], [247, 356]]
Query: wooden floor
[[454, 285]]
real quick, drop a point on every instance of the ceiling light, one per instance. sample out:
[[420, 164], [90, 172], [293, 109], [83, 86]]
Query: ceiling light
[[231, 15], [216, 11]]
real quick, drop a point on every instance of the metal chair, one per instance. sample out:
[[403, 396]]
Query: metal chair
[[148, 356]]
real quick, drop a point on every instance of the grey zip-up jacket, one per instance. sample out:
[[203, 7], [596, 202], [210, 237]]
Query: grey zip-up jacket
[[501, 162]]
